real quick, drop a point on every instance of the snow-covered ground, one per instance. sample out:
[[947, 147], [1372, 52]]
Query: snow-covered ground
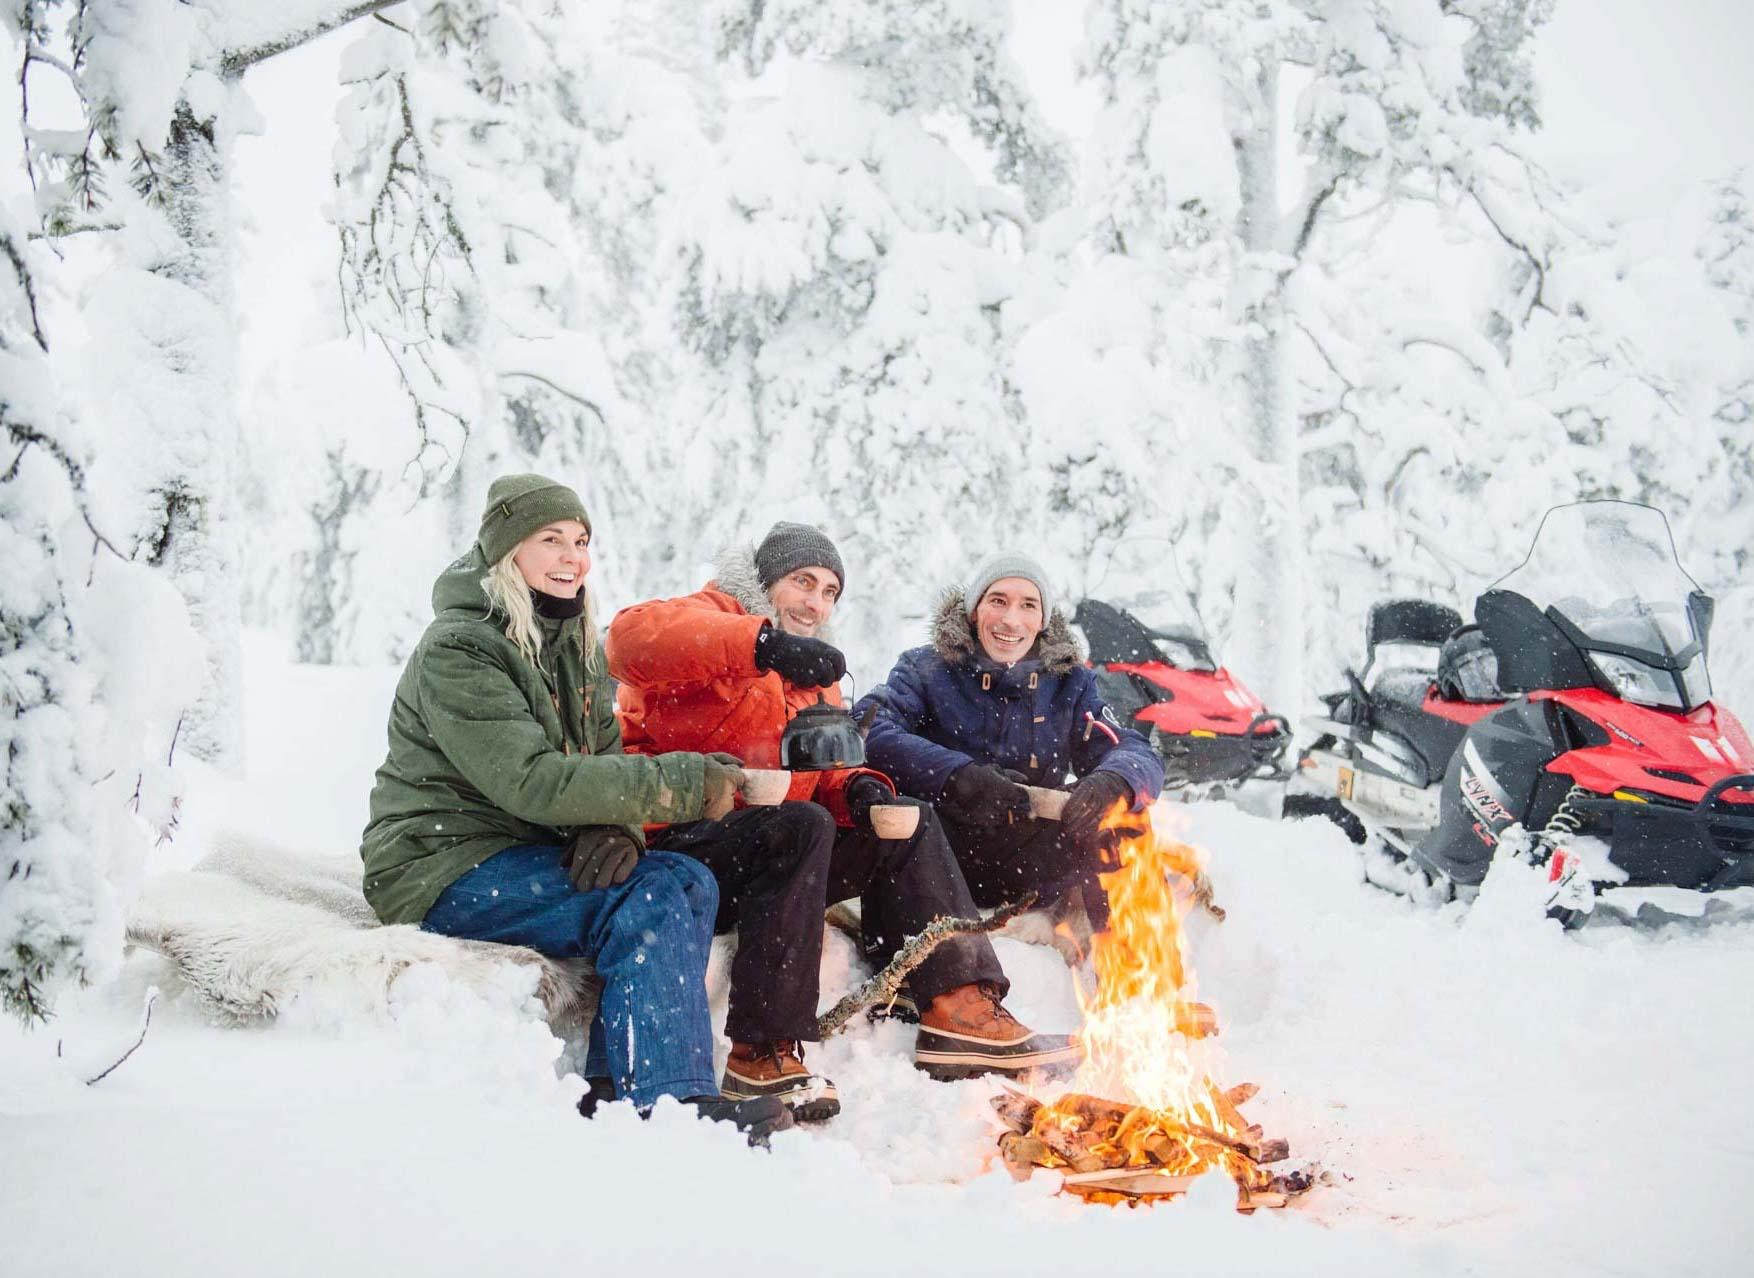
[[1487, 1094]]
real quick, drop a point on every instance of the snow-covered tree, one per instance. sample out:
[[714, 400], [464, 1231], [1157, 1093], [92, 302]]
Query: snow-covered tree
[[97, 662], [117, 482], [143, 163], [844, 253], [475, 255], [1355, 360]]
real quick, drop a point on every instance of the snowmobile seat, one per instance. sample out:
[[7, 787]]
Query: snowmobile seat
[[1467, 668], [1397, 707], [1401, 685]]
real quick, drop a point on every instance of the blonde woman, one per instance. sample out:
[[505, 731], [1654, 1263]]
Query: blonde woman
[[505, 810]]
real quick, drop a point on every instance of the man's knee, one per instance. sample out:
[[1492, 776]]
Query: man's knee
[[802, 831], [687, 875]]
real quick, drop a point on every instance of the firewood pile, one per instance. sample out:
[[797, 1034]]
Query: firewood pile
[[1109, 1152]]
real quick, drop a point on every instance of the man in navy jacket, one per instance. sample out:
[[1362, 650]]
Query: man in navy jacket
[[999, 699]]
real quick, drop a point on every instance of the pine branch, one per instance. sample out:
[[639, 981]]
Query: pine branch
[[236, 61], [885, 985], [25, 283], [25, 436]]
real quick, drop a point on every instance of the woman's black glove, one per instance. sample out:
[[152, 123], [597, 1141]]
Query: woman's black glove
[[601, 856], [801, 662], [980, 795], [1081, 822]]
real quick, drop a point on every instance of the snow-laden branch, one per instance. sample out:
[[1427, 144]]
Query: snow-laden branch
[[235, 62]]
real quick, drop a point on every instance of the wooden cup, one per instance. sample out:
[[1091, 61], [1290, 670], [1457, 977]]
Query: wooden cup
[[764, 787], [1046, 803], [894, 820]]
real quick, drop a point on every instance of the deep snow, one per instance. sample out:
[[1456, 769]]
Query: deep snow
[[1487, 1094]]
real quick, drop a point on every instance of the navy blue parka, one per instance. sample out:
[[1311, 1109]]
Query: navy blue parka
[[948, 704]]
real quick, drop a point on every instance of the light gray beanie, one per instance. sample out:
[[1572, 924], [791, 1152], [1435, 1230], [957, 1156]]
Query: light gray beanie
[[1007, 563]]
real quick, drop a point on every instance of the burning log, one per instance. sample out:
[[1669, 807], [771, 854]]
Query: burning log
[[1107, 1151], [1015, 1109], [1140, 1025]]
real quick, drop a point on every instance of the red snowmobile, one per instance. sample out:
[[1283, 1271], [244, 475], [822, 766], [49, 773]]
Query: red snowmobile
[[1209, 728], [1572, 726]]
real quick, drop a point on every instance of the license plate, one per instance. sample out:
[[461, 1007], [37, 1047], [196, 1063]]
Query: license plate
[[1344, 786]]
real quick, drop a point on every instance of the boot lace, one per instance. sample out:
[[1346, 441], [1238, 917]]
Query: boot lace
[[783, 1049], [990, 992]]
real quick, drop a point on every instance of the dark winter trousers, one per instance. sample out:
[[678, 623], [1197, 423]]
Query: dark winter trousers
[[1002, 862], [778, 868]]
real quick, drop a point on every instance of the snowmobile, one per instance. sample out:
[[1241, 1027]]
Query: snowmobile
[[1209, 728], [1572, 726]]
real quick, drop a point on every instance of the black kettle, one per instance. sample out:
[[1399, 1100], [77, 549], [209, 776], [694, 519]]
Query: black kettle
[[821, 737]]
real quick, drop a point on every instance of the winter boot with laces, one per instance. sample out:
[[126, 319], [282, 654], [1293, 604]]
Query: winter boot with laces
[[777, 1070], [966, 1032]]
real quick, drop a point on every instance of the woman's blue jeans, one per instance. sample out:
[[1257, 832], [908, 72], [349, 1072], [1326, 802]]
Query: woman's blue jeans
[[649, 937]]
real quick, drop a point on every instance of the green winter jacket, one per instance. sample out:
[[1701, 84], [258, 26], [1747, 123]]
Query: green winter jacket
[[488, 750]]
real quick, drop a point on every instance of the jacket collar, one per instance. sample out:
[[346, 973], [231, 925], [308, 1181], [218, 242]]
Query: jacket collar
[[1056, 649]]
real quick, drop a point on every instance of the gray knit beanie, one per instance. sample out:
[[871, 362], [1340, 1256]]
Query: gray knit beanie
[[518, 505], [1007, 563], [789, 547]]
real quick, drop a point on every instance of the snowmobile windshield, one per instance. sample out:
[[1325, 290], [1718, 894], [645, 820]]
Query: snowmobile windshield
[[1607, 574], [1176, 639], [1609, 569], [1141, 578], [1115, 632]]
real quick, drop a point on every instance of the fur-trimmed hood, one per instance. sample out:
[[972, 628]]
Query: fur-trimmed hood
[[953, 638], [734, 574]]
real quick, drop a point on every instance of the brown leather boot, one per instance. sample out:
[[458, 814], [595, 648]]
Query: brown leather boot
[[966, 1032], [777, 1070]]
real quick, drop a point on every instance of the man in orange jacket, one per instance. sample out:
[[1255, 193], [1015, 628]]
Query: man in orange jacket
[[722, 670]]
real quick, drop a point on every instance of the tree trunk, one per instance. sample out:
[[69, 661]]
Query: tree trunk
[[195, 546], [1267, 634]]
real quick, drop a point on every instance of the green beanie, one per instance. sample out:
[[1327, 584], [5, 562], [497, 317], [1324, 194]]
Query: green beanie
[[518, 505]]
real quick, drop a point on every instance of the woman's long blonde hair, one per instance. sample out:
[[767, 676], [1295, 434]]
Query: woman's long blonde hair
[[509, 593]]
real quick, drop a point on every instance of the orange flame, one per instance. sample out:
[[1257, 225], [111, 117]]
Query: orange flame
[[1143, 1030]]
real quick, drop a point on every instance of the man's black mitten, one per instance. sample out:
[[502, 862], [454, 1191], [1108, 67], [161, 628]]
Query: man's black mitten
[[801, 662], [980, 795], [1081, 822], [862, 792]]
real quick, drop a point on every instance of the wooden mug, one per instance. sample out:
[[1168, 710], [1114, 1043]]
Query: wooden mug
[[764, 787], [894, 820]]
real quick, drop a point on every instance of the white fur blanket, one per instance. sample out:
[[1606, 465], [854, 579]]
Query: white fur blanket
[[253, 925]]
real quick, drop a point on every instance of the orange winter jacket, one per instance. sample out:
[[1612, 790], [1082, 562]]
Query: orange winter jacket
[[688, 681]]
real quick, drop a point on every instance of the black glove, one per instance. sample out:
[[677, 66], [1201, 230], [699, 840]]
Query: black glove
[[980, 795], [801, 662], [1081, 822], [861, 793], [601, 856]]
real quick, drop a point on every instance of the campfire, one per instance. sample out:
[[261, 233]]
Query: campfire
[[1146, 1044]]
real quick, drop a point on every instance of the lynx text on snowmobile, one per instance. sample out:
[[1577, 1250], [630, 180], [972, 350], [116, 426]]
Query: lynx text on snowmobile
[[1573, 727], [1209, 728]]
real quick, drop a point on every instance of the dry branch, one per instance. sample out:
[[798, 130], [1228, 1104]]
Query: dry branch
[[145, 1024], [885, 985]]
